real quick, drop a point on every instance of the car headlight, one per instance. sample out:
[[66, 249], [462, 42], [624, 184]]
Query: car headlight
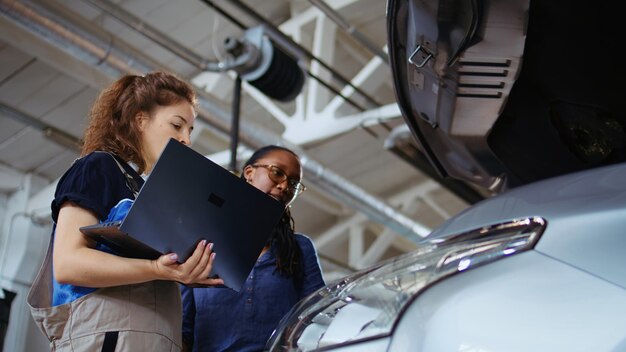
[[367, 304]]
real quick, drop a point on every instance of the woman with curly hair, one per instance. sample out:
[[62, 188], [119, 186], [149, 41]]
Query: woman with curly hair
[[86, 297]]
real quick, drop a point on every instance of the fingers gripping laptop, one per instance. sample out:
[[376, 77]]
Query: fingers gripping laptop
[[187, 198]]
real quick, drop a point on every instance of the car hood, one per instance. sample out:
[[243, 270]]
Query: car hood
[[503, 93], [584, 211]]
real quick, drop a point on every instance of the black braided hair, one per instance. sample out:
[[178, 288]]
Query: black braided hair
[[283, 240]]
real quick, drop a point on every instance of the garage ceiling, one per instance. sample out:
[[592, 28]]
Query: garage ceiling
[[364, 203]]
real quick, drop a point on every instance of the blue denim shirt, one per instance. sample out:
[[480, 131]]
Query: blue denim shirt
[[221, 319]]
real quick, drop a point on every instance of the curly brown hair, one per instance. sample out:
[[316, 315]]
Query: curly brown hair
[[112, 120]]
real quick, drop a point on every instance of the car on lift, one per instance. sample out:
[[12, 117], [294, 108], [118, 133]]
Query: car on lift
[[524, 100]]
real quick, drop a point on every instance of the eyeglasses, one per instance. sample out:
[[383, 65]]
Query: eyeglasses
[[277, 175]]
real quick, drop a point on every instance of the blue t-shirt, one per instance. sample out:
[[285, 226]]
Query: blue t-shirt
[[96, 183], [221, 319]]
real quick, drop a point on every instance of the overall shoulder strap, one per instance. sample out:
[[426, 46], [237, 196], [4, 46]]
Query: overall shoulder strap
[[130, 180]]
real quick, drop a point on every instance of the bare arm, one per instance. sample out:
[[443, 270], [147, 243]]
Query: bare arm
[[76, 261]]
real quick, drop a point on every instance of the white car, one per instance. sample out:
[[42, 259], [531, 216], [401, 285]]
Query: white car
[[525, 100], [538, 268]]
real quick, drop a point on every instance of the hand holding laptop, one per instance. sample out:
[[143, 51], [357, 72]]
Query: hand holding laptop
[[195, 269]]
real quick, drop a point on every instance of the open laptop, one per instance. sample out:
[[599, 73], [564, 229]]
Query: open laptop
[[187, 198]]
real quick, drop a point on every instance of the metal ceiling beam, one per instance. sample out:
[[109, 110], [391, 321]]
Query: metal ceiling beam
[[350, 29], [61, 137], [110, 57]]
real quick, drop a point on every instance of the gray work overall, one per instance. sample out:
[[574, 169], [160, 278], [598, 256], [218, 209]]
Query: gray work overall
[[140, 317]]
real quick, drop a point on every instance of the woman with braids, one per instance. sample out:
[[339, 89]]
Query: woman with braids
[[85, 297], [221, 319]]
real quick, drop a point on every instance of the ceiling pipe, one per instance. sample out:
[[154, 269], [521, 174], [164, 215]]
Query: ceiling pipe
[[144, 28], [350, 29], [106, 56], [92, 48]]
